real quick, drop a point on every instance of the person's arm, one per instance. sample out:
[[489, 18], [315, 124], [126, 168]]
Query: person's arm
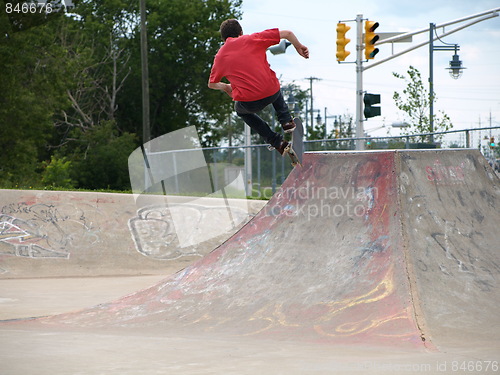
[[221, 86], [290, 36]]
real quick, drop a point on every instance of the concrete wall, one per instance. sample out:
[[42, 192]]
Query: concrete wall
[[54, 234]]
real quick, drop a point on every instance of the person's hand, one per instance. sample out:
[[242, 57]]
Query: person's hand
[[303, 51], [228, 89]]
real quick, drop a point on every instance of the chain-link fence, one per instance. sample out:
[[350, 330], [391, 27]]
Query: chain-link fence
[[269, 169]]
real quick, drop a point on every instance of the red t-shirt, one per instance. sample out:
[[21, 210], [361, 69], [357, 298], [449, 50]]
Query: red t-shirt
[[243, 62]]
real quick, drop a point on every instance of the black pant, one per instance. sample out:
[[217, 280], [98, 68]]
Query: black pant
[[247, 111]]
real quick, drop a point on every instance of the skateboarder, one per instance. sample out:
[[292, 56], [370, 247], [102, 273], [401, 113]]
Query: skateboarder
[[253, 85]]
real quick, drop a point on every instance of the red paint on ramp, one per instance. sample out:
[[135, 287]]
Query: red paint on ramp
[[332, 258]]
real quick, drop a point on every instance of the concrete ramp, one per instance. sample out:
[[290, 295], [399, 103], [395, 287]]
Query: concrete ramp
[[450, 215], [395, 248]]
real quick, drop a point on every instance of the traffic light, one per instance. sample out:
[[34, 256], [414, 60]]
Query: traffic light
[[370, 39], [370, 100], [342, 29], [492, 142]]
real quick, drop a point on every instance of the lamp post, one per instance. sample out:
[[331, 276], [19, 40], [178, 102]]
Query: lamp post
[[146, 131], [293, 106], [455, 70]]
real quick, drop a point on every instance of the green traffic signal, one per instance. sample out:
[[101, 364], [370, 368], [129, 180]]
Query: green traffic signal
[[370, 39], [370, 100]]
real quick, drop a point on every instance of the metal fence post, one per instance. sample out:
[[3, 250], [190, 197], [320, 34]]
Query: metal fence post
[[258, 171], [273, 156]]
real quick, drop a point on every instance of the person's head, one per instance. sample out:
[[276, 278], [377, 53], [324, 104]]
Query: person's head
[[230, 29]]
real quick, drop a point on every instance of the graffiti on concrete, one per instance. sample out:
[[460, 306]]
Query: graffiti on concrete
[[43, 231], [153, 233], [445, 174], [174, 165], [23, 240], [168, 232]]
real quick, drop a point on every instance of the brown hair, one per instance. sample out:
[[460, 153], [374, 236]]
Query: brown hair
[[230, 29]]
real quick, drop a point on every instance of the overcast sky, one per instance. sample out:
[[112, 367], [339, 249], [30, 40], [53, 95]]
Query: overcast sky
[[468, 100]]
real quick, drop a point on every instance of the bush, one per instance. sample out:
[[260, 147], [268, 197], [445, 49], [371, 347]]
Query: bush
[[104, 165], [56, 173]]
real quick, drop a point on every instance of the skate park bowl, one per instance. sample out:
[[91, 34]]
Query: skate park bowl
[[382, 262]]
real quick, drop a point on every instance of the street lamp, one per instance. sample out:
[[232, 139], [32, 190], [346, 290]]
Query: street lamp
[[455, 70], [293, 106]]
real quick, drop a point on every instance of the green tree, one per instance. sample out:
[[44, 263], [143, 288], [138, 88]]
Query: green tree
[[343, 126], [183, 38], [32, 79], [97, 41], [57, 173], [71, 85], [99, 160], [415, 102]]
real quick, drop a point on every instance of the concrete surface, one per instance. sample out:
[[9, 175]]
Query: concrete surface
[[80, 234], [364, 262], [29, 298]]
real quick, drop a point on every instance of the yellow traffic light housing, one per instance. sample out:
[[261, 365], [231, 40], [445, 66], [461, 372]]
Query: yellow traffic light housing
[[370, 39], [342, 29]]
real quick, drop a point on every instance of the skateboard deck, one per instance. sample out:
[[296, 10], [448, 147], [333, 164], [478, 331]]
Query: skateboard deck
[[296, 148]]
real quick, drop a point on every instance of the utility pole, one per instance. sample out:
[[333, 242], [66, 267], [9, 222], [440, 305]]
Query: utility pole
[[311, 79], [146, 134], [432, 26]]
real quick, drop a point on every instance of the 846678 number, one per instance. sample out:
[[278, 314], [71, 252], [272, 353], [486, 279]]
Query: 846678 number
[[28, 8]]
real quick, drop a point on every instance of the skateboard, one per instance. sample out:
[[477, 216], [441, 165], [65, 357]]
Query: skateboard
[[295, 148]]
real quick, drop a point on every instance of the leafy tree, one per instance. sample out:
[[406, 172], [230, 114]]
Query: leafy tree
[[71, 85], [21, 16], [99, 160], [57, 173], [96, 40], [415, 102], [32, 81], [343, 128], [183, 38]]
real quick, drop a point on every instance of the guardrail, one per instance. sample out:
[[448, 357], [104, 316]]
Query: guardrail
[[269, 170]]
